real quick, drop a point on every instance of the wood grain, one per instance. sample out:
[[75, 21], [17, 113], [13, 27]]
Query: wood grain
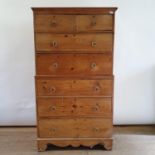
[[74, 107], [75, 128], [74, 64], [94, 23], [73, 23], [55, 23], [74, 76], [100, 42], [66, 87]]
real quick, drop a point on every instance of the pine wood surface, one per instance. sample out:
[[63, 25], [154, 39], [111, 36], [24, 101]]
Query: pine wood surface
[[74, 64], [75, 128], [74, 76], [73, 107], [73, 23], [100, 42], [64, 87]]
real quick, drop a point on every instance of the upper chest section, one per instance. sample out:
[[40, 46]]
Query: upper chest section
[[74, 20]]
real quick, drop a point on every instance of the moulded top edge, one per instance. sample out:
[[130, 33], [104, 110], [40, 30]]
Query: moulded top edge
[[74, 10]]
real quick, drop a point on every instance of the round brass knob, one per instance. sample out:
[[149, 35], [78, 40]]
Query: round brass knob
[[52, 89], [54, 43], [55, 65], [52, 108], [97, 88], [93, 43], [93, 65]]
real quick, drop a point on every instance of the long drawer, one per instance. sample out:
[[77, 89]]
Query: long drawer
[[99, 42], [73, 23], [74, 128], [70, 87], [74, 107], [74, 64]]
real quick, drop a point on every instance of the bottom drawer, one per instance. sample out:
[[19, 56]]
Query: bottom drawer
[[74, 128]]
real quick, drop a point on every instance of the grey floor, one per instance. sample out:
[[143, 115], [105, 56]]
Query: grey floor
[[132, 140]]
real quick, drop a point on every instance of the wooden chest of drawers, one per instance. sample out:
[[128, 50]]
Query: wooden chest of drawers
[[74, 76]]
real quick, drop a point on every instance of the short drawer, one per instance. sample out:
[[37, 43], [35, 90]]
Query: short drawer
[[73, 23], [74, 64], [70, 87], [54, 23], [99, 42], [74, 107], [74, 128], [94, 23]]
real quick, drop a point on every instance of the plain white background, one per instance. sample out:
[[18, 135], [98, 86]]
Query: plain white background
[[134, 61]]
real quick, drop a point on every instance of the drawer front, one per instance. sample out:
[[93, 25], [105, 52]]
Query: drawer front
[[73, 128], [74, 106], [73, 23], [54, 23], [74, 42], [74, 64], [58, 87], [94, 23]]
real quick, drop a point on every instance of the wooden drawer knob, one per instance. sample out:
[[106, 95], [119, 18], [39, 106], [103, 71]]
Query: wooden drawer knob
[[93, 65], [54, 43], [52, 89], [93, 43], [53, 108], [97, 88], [55, 65]]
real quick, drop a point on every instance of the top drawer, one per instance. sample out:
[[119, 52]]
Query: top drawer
[[73, 23]]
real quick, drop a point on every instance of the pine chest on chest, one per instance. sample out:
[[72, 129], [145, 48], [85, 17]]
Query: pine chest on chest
[[74, 76]]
